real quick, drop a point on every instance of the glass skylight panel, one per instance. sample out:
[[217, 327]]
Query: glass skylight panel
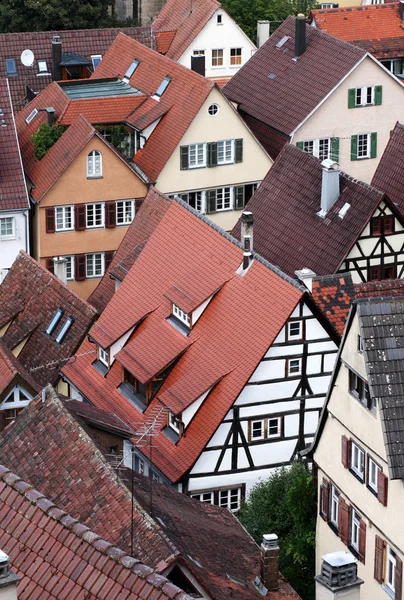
[[55, 320], [163, 86], [283, 41], [62, 333], [134, 65], [31, 116]]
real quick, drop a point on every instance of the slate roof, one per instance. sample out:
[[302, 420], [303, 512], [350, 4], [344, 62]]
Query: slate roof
[[287, 230], [381, 323], [85, 42], [375, 28], [65, 457], [333, 294], [58, 557], [282, 102], [176, 20], [223, 348], [389, 175], [146, 220], [13, 191], [29, 298]]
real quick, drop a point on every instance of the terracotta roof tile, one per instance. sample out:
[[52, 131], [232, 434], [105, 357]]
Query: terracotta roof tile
[[333, 295], [164, 40], [389, 175], [379, 289], [101, 110], [375, 28]]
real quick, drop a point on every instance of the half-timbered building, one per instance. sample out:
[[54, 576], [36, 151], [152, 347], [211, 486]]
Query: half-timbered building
[[216, 358], [311, 215]]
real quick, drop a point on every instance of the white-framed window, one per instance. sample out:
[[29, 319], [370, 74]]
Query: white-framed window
[[324, 5], [204, 497], [334, 506], [295, 330], [181, 315], [96, 59], [235, 56], [95, 265], [174, 422], [360, 344], [194, 199], [64, 218], [213, 109], [357, 460], [320, 148], [225, 152], [364, 96], [355, 529], [94, 164], [69, 267], [223, 198], [95, 215], [274, 427], [294, 366], [217, 57], [198, 52], [391, 563], [42, 66], [103, 356], [219, 19], [373, 473], [65, 328], [7, 228], [196, 155], [54, 321], [230, 499], [125, 212], [364, 145], [31, 116], [257, 430]]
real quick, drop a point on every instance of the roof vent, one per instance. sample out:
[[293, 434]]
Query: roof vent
[[344, 210], [329, 186]]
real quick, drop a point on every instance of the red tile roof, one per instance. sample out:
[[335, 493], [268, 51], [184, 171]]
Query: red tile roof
[[375, 28], [98, 418], [101, 110], [29, 297], [287, 230], [333, 294], [295, 88], [13, 191], [383, 289], [10, 369], [59, 558], [86, 42], [389, 175], [223, 346], [177, 17]]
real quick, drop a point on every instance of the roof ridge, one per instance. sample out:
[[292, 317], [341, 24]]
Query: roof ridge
[[377, 299], [367, 186]]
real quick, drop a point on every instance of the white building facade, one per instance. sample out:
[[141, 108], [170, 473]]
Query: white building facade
[[14, 236]]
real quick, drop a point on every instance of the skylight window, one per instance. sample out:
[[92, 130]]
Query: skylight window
[[11, 66], [283, 41], [134, 65], [31, 116], [163, 86], [65, 328], [42, 66], [55, 320]]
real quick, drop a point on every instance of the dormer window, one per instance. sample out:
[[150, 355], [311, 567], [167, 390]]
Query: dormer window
[[55, 320], [174, 422], [181, 315], [96, 59], [103, 356], [65, 328], [133, 66], [163, 86]]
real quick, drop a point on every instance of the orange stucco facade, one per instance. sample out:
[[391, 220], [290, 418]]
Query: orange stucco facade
[[118, 182]]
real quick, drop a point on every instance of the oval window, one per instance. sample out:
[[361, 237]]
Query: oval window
[[213, 109]]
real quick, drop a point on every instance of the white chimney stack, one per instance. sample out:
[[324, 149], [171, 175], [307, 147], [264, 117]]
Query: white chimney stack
[[247, 229], [339, 577], [263, 32], [329, 185], [306, 276], [8, 579], [60, 268]]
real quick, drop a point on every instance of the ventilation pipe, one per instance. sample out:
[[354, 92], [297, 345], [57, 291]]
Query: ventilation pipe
[[300, 36]]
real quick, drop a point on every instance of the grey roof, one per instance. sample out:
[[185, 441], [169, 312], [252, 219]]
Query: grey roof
[[95, 88], [381, 323], [70, 59]]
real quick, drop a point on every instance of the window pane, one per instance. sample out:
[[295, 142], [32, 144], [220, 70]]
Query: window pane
[[363, 145]]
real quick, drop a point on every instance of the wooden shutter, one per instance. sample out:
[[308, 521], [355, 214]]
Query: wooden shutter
[[378, 94], [110, 214], [373, 145], [382, 486], [50, 265], [335, 149], [343, 521], [299, 145], [239, 197], [238, 150], [345, 451], [352, 98], [379, 559], [398, 582], [80, 217], [108, 256], [324, 499], [80, 267], [212, 154], [184, 158], [210, 201], [50, 220], [354, 147], [362, 541]]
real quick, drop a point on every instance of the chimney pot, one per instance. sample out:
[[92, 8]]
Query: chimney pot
[[330, 188], [60, 268], [300, 35], [270, 562]]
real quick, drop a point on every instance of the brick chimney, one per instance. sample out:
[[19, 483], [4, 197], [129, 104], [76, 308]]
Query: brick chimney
[[330, 188], [247, 228], [263, 32], [60, 268], [300, 35], [339, 577], [8, 579], [56, 58], [270, 562]]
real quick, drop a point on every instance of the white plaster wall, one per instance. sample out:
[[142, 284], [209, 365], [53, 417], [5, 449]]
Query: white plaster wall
[[9, 249], [350, 352], [214, 36]]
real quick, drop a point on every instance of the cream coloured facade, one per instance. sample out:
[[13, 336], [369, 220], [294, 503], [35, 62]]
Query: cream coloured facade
[[225, 125], [333, 118]]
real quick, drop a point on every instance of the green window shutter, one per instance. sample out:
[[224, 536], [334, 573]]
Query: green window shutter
[[373, 145], [299, 145], [354, 147], [378, 94], [335, 149], [210, 201], [184, 158], [238, 150], [239, 197], [212, 154], [352, 98]]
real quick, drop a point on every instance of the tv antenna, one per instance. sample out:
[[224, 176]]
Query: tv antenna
[[27, 58]]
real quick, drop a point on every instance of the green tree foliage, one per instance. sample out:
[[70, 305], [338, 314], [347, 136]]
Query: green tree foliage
[[45, 137], [247, 13], [285, 504]]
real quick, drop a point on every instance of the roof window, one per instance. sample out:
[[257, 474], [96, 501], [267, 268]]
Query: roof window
[[283, 41], [55, 320], [31, 115], [163, 86], [96, 59], [134, 65], [42, 66], [11, 66], [65, 328]]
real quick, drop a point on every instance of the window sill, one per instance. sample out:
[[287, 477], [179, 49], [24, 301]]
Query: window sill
[[94, 227], [358, 477], [218, 67], [94, 276], [7, 238], [333, 527], [43, 74], [388, 591], [94, 177], [353, 551], [129, 393], [64, 230], [196, 167]]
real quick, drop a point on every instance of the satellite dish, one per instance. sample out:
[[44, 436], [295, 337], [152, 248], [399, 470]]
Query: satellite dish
[[27, 58]]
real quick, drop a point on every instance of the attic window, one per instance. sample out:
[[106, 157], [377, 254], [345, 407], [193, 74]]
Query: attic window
[[163, 86], [11, 66], [174, 423], [65, 328], [103, 356], [219, 19], [31, 116], [181, 315], [134, 65], [55, 320], [96, 59], [42, 66], [283, 41]]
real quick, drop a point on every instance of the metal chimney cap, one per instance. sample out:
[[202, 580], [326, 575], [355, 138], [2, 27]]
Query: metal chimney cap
[[328, 163], [56, 39], [339, 559], [301, 16], [4, 558], [270, 537], [247, 217], [269, 541]]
